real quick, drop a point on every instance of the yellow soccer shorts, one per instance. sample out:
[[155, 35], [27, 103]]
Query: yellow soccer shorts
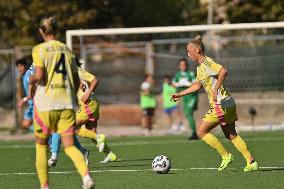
[[222, 115], [88, 112], [60, 121]]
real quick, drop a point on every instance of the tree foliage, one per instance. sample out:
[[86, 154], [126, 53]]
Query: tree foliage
[[20, 18]]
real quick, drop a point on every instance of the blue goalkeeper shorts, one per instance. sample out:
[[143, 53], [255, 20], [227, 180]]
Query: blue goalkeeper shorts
[[29, 113]]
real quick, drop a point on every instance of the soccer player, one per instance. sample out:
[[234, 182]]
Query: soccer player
[[57, 81], [182, 80], [147, 103], [170, 107], [23, 68], [88, 115], [211, 76]]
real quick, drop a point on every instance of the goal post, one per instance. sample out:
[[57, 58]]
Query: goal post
[[169, 29], [253, 52]]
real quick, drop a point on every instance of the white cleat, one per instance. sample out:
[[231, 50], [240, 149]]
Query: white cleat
[[88, 183], [110, 158]]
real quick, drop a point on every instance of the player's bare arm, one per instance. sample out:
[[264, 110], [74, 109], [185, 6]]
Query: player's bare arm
[[37, 77], [193, 88], [94, 83], [221, 77]]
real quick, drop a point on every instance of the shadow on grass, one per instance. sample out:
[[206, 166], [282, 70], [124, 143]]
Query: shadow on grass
[[127, 165], [272, 169], [141, 159]]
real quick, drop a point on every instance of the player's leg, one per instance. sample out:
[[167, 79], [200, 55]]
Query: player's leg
[[41, 162], [27, 122], [88, 113], [66, 125], [55, 146], [205, 135], [231, 134], [83, 150], [42, 125], [100, 140]]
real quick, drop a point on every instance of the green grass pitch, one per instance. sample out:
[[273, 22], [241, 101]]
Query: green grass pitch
[[17, 170]]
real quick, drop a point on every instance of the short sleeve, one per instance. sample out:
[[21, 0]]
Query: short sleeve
[[37, 55], [212, 68]]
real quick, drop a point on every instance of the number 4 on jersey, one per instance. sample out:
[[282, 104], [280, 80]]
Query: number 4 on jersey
[[60, 66]]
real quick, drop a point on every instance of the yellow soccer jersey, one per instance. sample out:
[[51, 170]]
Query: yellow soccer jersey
[[85, 78], [56, 91], [207, 74]]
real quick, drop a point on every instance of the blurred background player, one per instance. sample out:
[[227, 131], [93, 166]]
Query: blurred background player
[[87, 117], [88, 114], [25, 69], [211, 76], [170, 107], [148, 103], [57, 82], [182, 80]]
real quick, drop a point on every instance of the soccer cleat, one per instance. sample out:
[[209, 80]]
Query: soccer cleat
[[251, 167], [52, 162], [86, 156], [110, 157], [225, 162], [101, 142], [88, 183]]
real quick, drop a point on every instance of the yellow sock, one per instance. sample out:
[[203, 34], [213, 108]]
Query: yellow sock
[[78, 160], [212, 141], [240, 144], [86, 133], [41, 164]]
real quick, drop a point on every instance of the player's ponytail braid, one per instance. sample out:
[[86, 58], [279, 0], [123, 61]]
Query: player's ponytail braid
[[48, 25], [198, 42]]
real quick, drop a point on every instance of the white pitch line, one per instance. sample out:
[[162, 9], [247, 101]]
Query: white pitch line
[[96, 171], [130, 170], [184, 141]]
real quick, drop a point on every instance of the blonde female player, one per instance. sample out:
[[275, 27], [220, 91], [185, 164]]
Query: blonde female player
[[88, 114], [57, 81], [211, 76]]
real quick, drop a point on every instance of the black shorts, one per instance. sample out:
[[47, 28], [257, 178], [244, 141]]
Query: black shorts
[[148, 112]]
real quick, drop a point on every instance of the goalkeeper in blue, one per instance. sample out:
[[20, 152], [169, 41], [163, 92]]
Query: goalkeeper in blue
[[26, 70]]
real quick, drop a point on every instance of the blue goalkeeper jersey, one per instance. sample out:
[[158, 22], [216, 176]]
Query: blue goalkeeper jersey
[[26, 78]]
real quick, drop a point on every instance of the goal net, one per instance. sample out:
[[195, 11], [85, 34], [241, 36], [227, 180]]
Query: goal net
[[253, 53]]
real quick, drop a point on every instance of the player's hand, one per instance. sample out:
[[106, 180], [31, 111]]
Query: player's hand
[[175, 97], [21, 102], [85, 98]]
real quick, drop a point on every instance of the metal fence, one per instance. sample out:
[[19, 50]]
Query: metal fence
[[255, 62]]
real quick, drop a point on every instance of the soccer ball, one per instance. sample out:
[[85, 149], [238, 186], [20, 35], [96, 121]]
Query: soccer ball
[[161, 164]]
